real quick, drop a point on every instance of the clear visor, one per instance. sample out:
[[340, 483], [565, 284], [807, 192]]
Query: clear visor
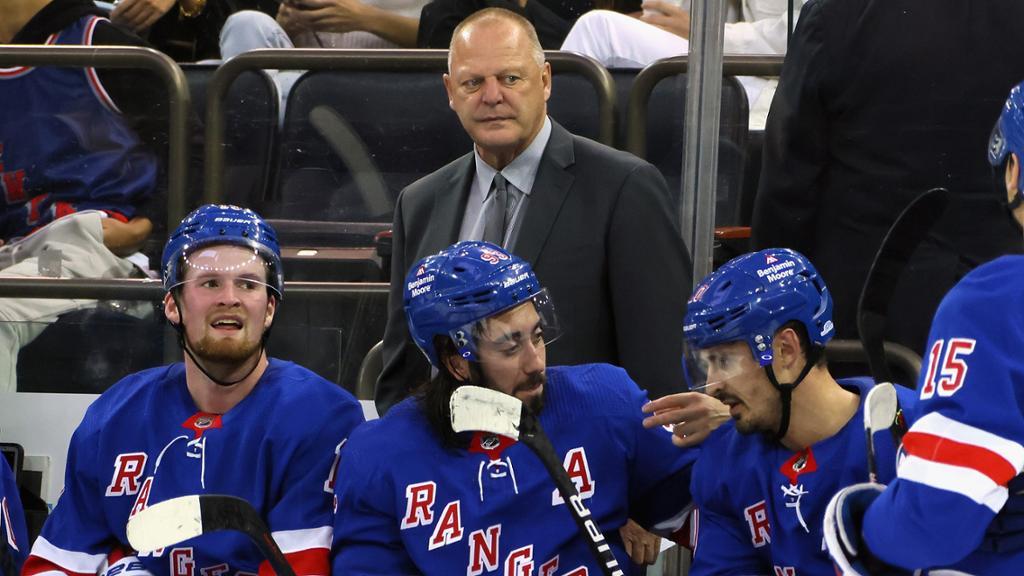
[[510, 331], [217, 267], [706, 367]]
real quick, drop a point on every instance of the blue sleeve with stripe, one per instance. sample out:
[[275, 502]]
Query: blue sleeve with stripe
[[966, 441]]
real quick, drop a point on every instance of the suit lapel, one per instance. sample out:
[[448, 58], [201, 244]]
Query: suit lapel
[[449, 207], [550, 190]]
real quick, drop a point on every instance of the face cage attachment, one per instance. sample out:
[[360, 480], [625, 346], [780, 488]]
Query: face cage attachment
[[466, 337], [213, 270]]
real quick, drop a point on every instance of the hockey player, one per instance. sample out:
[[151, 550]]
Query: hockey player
[[965, 452], [755, 332], [228, 420], [415, 497], [13, 535]]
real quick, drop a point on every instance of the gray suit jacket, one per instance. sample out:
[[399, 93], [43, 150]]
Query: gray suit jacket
[[601, 236]]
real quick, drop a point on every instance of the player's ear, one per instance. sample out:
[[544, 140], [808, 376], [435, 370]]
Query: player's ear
[[1012, 176], [787, 347], [457, 366], [271, 310], [171, 311]]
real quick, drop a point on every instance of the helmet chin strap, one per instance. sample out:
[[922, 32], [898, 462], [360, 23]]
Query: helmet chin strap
[[180, 329], [786, 390]]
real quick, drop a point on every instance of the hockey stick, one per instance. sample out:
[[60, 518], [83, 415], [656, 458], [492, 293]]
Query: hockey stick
[[880, 410], [481, 409], [178, 519], [909, 229]]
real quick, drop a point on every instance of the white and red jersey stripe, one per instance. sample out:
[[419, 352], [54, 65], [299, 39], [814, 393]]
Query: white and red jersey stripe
[[950, 455], [308, 551], [47, 559]]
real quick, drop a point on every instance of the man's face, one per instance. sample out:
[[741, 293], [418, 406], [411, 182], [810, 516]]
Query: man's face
[[223, 303], [498, 89], [512, 356], [734, 378]]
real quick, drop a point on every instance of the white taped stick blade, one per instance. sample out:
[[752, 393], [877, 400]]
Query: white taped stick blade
[[165, 523], [474, 408], [880, 407]]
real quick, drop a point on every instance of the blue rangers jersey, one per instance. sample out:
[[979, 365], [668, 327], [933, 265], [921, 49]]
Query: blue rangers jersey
[[143, 441], [760, 506], [64, 145], [966, 441], [13, 535], [408, 505]]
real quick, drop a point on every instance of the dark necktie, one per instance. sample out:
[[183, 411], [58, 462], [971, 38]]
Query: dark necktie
[[494, 227]]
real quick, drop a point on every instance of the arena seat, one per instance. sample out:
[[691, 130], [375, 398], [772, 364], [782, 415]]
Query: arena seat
[[353, 138], [654, 129], [252, 118]]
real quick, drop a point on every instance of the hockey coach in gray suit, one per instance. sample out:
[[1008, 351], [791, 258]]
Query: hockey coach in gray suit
[[595, 223]]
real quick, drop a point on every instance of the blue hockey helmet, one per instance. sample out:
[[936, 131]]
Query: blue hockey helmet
[[215, 224], [449, 293], [1008, 135], [750, 297]]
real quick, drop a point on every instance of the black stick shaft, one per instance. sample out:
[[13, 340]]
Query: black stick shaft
[[538, 441], [231, 513], [909, 229]]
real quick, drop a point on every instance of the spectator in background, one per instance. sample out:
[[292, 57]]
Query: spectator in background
[[878, 101], [77, 178], [324, 24], [595, 223], [663, 31], [351, 23], [187, 30], [551, 19]]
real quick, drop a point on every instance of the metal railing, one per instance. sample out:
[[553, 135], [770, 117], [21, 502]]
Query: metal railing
[[136, 289], [364, 60], [127, 57]]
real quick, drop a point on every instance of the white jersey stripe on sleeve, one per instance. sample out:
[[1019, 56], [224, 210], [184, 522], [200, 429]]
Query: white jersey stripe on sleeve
[[964, 481], [291, 541], [90, 73], [80, 562], [938, 425]]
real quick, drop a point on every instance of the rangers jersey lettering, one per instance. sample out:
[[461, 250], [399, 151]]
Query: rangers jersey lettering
[[765, 515], [64, 146], [408, 505], [143, 442], [967, 441]]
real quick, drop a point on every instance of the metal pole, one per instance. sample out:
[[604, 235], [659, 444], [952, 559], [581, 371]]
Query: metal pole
[[700, 156]]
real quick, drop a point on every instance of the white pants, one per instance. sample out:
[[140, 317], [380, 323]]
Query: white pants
[[79, 237], [620, 41]]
